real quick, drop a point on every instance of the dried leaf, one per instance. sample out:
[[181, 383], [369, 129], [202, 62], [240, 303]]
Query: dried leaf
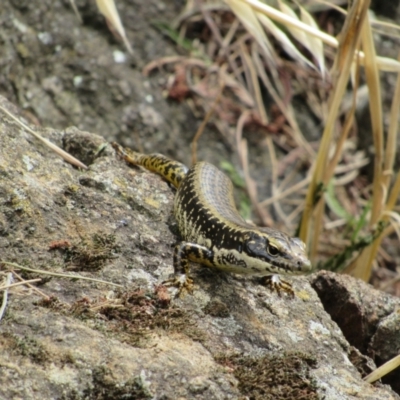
[[316, 43]]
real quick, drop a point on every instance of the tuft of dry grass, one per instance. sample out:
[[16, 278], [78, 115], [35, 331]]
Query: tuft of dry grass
[[312, 219]]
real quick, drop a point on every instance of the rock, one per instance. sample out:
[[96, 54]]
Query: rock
[[368, 318], [79, 339], [355, 306]]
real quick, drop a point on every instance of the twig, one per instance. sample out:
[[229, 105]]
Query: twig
[[292, 189], [39, 271], [383, 370], [66, 156], [35, 289], [172, 60], [5, 295], [230, 56], [11, 285]]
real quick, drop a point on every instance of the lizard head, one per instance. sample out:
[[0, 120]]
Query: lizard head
[[281, 253]]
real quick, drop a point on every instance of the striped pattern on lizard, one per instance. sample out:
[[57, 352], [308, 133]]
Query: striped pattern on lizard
[[213, 233]]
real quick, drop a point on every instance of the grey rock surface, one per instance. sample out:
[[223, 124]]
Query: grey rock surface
[[78, 339]]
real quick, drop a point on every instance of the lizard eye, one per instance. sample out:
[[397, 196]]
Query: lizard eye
[[272, 250]]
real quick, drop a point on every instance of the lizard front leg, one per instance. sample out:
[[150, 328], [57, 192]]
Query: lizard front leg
[[184, 253], [275, 282]]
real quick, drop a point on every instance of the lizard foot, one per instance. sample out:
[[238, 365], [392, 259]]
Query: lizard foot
[[279, 285], [182, 282]]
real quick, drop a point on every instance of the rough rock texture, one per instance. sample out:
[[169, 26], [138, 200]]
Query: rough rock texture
[[231, 339], [369, 319], [62, 72]]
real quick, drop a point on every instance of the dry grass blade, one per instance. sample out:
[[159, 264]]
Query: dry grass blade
[[5, 295], [283, 39], [362, 267], [222, 42], [391, 144], [394, 220], [390, 151], [375, 107], [249, 19], [254, 83], [11, 285], [383, 370], [237, 88], [350, 38], [287, 20], [108, 9], [34, 288], [11, 265], [384, 183], [394, 195], [282, 194], [76, 11], [384, 64], [374, 23], [66, 156], [160, 62], [313, 44], [348, 123], [316, 45], [274, 162]]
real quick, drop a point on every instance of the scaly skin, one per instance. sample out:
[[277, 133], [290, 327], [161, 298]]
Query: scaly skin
[[213, 232]]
